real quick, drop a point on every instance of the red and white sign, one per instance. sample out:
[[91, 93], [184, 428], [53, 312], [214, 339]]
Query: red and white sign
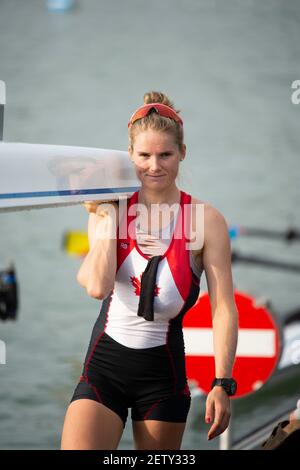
[[257, 351]]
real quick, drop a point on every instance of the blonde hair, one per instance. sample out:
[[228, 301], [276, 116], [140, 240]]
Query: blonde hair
[[156, 122]]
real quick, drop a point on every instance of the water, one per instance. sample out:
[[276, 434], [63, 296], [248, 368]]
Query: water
[[74, 79]]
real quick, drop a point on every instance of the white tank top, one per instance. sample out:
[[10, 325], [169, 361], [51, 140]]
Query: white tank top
[[176, 287], [157, 243]]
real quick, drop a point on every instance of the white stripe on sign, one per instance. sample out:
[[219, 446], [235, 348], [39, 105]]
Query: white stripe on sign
[[251, 342]]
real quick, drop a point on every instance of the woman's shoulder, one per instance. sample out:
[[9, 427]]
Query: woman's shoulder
[[210, 211], [212, 217]]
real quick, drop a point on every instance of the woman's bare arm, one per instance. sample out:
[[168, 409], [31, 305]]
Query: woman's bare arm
[[217, 265], [98, 270]]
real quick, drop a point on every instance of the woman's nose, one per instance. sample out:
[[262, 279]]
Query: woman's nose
[[154, 164]]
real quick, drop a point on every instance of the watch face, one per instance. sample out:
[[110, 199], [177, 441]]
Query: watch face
[[233, 387], [229, 385]]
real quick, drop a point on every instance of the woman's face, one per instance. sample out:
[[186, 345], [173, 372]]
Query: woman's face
[[156, 157]]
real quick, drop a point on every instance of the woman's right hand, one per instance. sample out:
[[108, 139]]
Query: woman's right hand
[[93, 206]]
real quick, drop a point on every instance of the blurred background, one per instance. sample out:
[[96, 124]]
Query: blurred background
[[73, 77]]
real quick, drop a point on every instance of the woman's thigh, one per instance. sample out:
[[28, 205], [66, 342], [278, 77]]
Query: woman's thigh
[[91, 426], [157, 435]]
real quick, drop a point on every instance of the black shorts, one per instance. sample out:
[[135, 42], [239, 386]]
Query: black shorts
[[151, 381]]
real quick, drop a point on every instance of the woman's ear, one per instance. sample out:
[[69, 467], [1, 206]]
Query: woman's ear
[[130, 151], [183, 152]]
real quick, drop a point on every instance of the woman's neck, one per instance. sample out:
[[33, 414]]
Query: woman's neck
[[168, 197]]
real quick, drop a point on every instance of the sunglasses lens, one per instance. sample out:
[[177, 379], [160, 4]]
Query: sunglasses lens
[[162, 110]]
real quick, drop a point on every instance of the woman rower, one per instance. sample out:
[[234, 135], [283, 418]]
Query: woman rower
[[148, 273]]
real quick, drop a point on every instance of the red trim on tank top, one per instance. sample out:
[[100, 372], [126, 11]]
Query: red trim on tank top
[[178, 220], [176, 255], [178, 259]]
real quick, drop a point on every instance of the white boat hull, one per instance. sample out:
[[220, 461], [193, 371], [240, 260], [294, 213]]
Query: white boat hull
[[39, 175]]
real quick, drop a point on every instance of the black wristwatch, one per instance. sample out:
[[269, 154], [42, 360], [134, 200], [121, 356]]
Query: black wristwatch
[[229, 385]]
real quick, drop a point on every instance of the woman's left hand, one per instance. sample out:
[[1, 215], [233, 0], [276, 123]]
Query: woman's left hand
[[217, 411]]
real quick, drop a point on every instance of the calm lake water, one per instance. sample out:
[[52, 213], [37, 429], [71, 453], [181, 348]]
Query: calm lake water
[[74, 79]]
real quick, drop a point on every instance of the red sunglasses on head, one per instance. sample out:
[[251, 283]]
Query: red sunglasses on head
[[161, 109]]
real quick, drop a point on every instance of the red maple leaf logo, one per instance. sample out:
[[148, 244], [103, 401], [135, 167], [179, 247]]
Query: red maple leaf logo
[[137, 285]]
